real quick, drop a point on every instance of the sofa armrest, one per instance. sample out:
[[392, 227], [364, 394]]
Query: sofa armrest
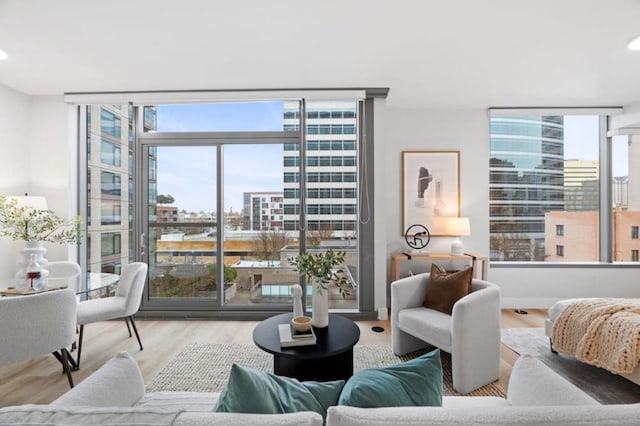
[[532, 383], [118, 383]]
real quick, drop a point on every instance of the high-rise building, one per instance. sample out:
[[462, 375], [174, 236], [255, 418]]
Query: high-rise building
[[331, 168], [581, 186], [526, 181], [263, 211], [110, 138]]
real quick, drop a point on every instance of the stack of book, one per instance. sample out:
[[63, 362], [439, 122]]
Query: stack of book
[[290, 337]]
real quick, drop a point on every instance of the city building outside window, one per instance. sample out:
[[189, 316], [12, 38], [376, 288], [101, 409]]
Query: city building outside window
[[634, 255], [634, 232], [545, 172], [559, 230], [560, 251]]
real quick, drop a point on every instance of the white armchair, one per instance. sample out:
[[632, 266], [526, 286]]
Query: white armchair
[[471, 334], [38, 324]]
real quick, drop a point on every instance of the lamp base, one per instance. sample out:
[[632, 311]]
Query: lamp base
[[456, 247]]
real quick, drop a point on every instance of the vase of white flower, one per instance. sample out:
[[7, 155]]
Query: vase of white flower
[[34, 227]]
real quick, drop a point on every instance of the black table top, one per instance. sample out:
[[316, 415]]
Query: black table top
[[340, 336]]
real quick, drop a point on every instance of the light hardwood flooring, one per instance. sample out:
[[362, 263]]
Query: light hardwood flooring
[[40, 380]]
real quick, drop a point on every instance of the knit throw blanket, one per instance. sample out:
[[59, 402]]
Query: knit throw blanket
[[603, 332]]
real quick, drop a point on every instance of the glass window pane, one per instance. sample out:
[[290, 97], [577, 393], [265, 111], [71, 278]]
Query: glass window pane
[[257, 245], [544, 191], [182, 223], [222, 117], [626, 198]]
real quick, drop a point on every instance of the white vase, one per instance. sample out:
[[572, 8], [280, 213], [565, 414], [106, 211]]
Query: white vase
[[319, 305], [32, 247]]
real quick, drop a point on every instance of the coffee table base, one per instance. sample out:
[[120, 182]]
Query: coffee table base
[[337, 367]]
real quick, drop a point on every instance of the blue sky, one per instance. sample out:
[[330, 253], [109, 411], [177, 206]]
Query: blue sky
[[189, 173]]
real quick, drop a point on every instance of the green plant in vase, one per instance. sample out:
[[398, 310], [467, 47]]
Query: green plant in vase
[[320, 268]]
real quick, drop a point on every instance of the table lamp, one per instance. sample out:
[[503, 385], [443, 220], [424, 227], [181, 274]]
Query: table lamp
[[459, 227]]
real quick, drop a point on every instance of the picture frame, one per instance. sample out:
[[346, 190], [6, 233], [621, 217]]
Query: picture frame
[[430, 189]]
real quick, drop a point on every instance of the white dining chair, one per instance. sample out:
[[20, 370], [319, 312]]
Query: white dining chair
[[65, 270], [123, 304]]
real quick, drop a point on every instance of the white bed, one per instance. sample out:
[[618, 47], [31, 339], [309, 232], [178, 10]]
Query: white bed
[[555, 311]]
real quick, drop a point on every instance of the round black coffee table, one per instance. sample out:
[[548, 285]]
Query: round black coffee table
[[331, 358]]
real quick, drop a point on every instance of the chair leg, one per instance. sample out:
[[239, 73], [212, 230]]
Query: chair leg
[[66, 366], [126, 321], [136, 331], [80, 346]]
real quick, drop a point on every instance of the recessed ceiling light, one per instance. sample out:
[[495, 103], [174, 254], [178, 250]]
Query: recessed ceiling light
[[3, 55], [634, 44]]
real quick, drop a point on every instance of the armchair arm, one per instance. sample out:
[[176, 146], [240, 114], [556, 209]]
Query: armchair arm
[[476, 336], [408, 292]]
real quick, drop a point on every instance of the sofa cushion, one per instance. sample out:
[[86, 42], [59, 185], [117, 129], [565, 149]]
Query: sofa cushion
[[477, 402], [532, 383], [254, 391], [601, 415], [445, 288], [189, 401], [33, 415], [304, 418], [118, 383], [413, 383]]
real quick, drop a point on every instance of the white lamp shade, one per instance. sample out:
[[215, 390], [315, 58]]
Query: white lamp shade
[[33, 202], [458, 226]]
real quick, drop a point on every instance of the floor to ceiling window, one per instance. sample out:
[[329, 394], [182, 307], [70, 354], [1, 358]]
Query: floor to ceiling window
[[216, 189]]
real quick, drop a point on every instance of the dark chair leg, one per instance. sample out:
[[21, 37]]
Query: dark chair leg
[[136, 331], [126, 321], [65, 365], [551, 346], [74, 344], [79, 346]]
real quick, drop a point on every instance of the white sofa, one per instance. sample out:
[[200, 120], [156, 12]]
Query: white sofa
[[115, 395]]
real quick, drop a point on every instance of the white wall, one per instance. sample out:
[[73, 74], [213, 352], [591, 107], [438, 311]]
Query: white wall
[[37, 143], [53, 159], [14, 164]]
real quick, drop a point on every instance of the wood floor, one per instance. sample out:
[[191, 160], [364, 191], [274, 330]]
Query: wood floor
[[40, 381]]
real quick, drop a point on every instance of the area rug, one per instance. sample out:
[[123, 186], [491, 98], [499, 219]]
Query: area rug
[[605, 387], [204, 367]]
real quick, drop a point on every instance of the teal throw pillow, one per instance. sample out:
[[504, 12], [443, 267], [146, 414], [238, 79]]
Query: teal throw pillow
[[413, 383], [254, 391]]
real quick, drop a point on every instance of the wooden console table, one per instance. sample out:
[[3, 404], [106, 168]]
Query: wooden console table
[[403, 265]]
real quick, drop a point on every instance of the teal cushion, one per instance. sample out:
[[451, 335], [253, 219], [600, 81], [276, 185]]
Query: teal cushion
[[413, 383], [254, 391]]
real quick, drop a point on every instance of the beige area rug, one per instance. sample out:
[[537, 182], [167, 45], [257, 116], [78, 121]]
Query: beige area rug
[[203, 367]]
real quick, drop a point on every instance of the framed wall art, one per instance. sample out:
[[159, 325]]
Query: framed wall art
[[430, 189]]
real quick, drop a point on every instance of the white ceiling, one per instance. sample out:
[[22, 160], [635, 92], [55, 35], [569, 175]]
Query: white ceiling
[[430, 54]]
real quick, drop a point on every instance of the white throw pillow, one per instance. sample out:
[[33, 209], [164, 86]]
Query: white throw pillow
[[118, 383]]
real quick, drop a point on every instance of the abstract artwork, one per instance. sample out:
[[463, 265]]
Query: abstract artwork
[[430, 189]]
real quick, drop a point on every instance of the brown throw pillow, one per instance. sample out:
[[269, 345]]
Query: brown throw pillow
[[445, 289]]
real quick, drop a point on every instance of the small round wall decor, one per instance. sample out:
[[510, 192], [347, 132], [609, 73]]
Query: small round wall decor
[[417, 236]]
